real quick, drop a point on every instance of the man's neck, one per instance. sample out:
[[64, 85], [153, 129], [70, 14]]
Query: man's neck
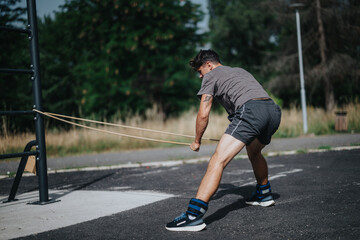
[[215, 65]]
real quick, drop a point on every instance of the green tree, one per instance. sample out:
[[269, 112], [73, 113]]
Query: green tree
[[241, 32], [261, 37], [15, 90], [108, 57], [330, 44]]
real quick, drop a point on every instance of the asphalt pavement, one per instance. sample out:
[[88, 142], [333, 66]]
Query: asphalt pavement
[[315, 182]]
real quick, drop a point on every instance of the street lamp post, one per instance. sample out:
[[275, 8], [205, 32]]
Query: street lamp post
[[301, 69]]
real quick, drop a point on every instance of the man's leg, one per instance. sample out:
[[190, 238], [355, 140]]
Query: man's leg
[[258, 161], [262, 196], [192, 220], [226, 150]]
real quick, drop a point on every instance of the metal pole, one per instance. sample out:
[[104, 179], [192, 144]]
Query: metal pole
[[16, 113], [39, 122], [12, 29], [20, 172], [8, 70], [302, 87], [16, 155]]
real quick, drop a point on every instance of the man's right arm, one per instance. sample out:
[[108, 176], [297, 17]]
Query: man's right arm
[[202, 120]]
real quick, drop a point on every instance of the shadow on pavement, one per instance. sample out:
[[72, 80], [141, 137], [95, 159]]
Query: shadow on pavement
[[229, 189]]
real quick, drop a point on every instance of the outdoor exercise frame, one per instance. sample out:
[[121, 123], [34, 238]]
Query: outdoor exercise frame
[[34, 72]]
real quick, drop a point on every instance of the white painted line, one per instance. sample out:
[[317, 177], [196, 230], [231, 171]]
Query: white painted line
[[238, 172], [272, 154], [18, 219], [278, 175], [284, 174], [275, 165]]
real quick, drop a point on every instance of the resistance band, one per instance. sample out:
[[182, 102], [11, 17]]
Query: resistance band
[[59, 118]]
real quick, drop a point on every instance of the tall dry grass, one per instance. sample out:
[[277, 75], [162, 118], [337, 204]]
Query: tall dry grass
[[320, 122], [80, 141]]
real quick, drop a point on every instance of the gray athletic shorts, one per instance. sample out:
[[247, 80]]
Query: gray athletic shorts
[[255, 119]]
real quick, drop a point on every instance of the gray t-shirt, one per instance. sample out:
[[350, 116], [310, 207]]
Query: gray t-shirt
[[232, 87]]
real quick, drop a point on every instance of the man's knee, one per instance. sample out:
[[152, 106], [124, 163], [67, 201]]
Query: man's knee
[[253, 155], [218, 161], [254, 149]]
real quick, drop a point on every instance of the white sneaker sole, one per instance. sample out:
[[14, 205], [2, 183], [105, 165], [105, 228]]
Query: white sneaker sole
[[262, 204], [196, 228]]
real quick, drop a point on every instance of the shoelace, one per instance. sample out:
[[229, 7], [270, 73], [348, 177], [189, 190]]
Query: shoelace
[[183, 215]]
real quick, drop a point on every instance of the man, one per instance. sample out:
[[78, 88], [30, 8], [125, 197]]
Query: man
[[254, 119]]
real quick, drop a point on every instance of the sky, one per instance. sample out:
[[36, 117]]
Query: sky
[[47, 7]]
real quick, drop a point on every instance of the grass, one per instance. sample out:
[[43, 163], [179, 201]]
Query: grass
[[324, 147], [300, 151], [320, 122], [81, 141]]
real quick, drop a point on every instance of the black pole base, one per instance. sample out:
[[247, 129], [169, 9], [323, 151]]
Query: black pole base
[[44, 203], [10, 200]]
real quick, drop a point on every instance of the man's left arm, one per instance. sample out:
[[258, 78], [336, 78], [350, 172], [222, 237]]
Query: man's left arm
[[202, 120]]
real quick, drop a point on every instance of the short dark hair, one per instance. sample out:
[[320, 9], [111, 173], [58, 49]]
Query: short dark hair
[[202, 57]]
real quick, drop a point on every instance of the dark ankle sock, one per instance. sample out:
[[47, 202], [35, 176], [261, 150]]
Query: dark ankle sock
[[263, 189], [197, 207]]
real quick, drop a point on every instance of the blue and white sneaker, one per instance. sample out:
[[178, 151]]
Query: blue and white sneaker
[[262, 197], [190, 221], [185, 223]]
